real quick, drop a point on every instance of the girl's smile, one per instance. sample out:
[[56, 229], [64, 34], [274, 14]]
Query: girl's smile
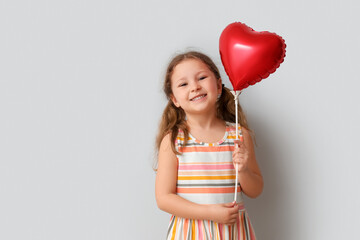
[[198, 97]]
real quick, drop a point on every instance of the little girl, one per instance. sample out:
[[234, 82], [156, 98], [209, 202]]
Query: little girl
[[197, 151]]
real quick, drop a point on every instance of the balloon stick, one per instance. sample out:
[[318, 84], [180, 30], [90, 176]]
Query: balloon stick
[[236, 97]]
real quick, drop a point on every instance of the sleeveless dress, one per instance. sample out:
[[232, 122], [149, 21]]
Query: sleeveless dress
[[206, 175]]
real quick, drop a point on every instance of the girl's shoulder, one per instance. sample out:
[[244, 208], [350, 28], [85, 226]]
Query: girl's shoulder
[[180, 138], [167, 141], [230, 126]]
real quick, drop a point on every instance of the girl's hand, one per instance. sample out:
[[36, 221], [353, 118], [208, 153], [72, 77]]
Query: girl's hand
[[240, 156], [225, 213]]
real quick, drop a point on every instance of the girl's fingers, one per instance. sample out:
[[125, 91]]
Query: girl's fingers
[[235, 209], [237, 150], [236, 144], [240, 143], [237, 159], [240, 149], [234, 216], [229, 205], [238, 156]]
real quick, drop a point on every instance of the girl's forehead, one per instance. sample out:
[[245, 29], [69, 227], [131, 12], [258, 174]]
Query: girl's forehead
[[194, 62], [189, 66]]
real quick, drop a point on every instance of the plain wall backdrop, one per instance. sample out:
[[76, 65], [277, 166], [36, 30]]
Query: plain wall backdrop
[[81, 99]]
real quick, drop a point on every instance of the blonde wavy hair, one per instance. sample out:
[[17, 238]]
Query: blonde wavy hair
[[173, 118]]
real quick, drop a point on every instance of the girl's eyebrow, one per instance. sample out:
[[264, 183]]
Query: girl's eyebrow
[[200, 72], [184, 78], [179, 80]]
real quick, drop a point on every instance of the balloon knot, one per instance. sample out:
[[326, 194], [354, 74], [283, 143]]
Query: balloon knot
[[236, 94]]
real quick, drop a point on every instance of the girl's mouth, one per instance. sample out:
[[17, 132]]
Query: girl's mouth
[[198, 97]]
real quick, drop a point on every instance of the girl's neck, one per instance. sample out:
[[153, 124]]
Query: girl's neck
[[203, 122], [206, 129]]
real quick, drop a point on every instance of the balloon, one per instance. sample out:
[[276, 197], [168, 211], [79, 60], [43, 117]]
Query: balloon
[[249, 56]]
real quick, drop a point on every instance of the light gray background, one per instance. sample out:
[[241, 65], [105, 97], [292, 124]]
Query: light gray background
[[80, 101]]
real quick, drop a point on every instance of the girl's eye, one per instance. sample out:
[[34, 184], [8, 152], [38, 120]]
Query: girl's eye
[[202, 78], [183, 84]]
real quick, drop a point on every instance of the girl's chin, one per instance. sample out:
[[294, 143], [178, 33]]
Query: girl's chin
[[199, 110]]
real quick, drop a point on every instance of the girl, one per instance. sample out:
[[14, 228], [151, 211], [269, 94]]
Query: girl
[[197, 150]]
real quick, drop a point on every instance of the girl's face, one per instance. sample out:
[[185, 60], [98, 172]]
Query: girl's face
[[194, 86]]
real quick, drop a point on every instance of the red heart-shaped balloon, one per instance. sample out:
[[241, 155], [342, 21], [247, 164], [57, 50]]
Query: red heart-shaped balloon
[[249, 56]]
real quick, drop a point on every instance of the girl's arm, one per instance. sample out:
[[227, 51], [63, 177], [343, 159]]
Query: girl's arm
[[250, 177], [168, 201]]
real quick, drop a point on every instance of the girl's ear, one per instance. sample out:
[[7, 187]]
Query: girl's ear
[[173, 99], [219, 85]]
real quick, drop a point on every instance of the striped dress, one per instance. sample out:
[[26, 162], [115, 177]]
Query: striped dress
[[206, 175]]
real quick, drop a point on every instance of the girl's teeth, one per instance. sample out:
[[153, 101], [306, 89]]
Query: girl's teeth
[[194, 99]]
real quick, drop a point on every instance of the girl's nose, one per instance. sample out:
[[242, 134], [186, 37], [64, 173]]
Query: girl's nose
[[195, 87]]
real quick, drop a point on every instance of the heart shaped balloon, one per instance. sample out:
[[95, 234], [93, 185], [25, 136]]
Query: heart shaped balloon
[[249, 56]]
